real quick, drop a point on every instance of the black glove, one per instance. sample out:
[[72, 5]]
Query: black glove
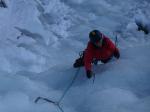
[[95, 62], [89, 74], [117, 54]]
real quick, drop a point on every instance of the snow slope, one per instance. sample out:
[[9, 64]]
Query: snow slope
[[40, 39]]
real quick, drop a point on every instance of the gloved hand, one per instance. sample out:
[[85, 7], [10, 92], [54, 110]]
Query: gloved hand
[[116, 54], [89, 74], [95, 62]]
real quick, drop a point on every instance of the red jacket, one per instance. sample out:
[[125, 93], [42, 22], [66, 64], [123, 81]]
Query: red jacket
[[106, 51]]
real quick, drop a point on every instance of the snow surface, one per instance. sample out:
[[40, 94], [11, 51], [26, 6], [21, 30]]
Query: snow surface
[[40, 39]]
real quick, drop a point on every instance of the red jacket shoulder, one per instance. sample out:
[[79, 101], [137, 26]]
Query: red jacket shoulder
[[108, 42]]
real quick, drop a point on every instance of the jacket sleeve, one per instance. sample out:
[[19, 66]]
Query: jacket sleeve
[[113, 48], [88, 57]]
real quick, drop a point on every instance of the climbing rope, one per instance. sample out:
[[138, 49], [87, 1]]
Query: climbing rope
[[73, 80], [57, 103]]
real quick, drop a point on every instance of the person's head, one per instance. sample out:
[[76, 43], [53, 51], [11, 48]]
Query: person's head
[[96, 38]]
